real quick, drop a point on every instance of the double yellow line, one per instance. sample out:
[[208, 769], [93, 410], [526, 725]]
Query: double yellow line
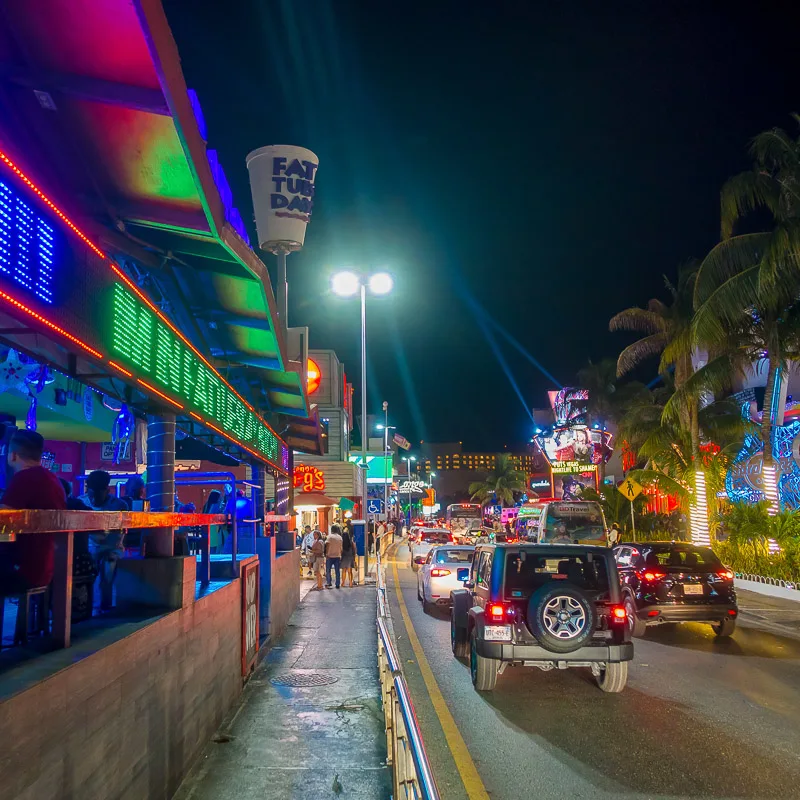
[[455, 742]]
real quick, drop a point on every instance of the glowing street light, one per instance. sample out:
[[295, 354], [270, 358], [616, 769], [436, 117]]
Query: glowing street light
[[347, 284]]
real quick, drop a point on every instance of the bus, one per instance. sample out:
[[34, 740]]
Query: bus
[[465, 515]]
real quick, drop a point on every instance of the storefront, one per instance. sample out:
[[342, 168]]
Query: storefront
[[338, 482]]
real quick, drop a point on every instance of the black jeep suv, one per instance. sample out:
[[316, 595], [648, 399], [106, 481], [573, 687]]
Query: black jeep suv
[[546, 606]]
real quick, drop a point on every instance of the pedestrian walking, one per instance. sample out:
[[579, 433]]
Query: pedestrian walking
[[317, 551], [613, 535], [333, 556], [348, 556]]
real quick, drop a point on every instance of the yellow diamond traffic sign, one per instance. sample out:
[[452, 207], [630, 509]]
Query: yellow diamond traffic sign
[[630, 488]]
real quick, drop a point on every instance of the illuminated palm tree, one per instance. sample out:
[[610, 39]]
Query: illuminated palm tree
[[502, 482]]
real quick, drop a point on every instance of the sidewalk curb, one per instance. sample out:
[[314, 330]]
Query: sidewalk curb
[[768, 589]]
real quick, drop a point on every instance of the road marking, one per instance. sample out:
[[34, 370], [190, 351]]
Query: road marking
[[456, 744]]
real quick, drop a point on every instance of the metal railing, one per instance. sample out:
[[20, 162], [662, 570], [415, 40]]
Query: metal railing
[[412, 776], [62, 526]]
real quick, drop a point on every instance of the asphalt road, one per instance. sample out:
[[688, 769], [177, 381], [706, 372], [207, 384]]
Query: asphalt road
[[700, 718]]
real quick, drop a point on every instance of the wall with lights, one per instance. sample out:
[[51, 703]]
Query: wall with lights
[[52, 276]]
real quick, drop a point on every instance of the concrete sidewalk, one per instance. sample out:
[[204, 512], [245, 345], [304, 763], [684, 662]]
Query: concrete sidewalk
[[774, 613], [310, 724]]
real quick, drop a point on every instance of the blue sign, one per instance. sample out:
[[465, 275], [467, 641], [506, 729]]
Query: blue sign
[[374, 506], [27, 245]]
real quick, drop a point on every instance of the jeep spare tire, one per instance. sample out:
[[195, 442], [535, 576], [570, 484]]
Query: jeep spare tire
[[561, 617]]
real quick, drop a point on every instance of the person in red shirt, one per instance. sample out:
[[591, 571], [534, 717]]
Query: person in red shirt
[[28, 562]]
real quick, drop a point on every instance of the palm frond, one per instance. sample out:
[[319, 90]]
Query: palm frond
[[637, 319], [774, 149], [745, 193], [727, 259], [780, 263], [726, 307], [634, 354]]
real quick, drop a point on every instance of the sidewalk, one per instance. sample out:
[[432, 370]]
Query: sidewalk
[[774, 613], [310, 724]]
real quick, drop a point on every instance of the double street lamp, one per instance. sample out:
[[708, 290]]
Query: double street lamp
[[348, 284]]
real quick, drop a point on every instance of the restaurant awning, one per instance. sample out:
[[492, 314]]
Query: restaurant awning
[[94, 103], [312, 500]]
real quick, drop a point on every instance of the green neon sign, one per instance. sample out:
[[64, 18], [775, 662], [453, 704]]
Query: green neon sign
[[140, 340]]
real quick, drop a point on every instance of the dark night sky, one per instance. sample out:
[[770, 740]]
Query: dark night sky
[[549, 160]]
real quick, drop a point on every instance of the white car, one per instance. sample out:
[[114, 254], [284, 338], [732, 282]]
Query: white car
[[426, 539], [446, 568]]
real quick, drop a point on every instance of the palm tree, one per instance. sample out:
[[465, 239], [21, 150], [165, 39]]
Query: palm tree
[[773, 184], [503, 481], [669, 334]]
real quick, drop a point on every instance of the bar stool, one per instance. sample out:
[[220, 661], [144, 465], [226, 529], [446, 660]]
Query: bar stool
[[33, 615]]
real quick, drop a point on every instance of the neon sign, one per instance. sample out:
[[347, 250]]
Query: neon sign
[[311, 479], [96, 302], [27, 245], [143, 341], [571, 467]]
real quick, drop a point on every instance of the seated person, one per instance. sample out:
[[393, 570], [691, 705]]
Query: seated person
[[28, 563], [105, 546]]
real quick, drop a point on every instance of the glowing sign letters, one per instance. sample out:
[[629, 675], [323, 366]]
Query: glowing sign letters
[[27, 245], [143, 341], [312, 479]]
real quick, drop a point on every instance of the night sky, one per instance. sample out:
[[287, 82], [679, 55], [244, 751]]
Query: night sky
[[542, 164]]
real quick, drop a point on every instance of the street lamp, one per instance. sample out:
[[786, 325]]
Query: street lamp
[[347, 284]]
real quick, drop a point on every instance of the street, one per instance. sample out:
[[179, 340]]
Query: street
[[699, 717]]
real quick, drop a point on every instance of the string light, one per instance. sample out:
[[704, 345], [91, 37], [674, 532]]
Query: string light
[[698, 512]]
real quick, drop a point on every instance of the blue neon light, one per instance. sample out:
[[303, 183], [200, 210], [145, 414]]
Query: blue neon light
[[27, 245]]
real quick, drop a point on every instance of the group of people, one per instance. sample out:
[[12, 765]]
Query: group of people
[[333, 553], [28, 563]]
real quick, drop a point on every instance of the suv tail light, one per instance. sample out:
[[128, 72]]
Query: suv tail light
[[496, 612], [651, 575], [725, 574], [439, 573], [618, 613]]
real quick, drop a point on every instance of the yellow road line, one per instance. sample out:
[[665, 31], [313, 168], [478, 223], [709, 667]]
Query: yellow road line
[[458, 747]]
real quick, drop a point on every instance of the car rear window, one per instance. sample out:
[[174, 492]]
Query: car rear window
[[526, 572], [672, 556], [454, 556], [435, 537]]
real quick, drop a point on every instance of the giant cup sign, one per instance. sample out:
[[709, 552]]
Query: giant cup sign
[[282, 183]]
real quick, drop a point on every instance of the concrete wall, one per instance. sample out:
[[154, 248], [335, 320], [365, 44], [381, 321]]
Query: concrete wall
[[127, 720], [285, 591]]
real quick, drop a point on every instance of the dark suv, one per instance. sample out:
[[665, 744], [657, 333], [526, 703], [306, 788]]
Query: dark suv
[[675, 582], [546, 606]]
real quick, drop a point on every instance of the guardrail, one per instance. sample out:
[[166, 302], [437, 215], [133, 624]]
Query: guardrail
[[412, 776], [62, 526], [748, 576]]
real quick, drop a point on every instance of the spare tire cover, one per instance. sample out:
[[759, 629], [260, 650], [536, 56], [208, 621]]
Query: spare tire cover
[[561, 617]]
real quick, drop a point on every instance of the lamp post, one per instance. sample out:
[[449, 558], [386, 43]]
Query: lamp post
[[347, 284], [386, 427], [408, 461]]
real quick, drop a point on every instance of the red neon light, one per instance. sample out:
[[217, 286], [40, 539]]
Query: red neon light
[[121, 369], [82, 236], [85, 239], [160, 394], [49, 324]]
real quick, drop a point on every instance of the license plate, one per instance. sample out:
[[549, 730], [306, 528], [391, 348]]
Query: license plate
[[501, 633], [692, 588]]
